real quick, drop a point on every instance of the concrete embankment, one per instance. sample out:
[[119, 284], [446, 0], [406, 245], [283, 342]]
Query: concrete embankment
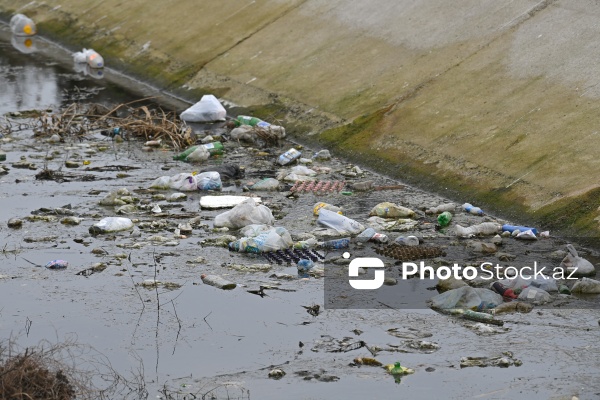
[[491, 102]]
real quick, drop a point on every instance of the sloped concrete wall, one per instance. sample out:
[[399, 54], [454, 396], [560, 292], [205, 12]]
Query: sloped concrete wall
[[494, 100]]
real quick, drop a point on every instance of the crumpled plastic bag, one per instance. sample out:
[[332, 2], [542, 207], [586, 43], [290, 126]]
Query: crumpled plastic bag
[[246, 213], [465, 297], [535, 295], [391, 210], [208, 109], [572, 263], [344, 226], [273, 239], [184, 182], [586, 286], [208, 180]]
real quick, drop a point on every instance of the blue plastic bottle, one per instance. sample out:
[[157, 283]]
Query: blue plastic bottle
[[511, 228], [472, 209]]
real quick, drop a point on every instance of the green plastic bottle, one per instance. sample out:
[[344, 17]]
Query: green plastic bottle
[[397, 369], [444, 218], [214, 148], [252, 121], [182, 156]]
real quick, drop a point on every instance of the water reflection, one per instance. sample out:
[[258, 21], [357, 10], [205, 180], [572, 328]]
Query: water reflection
[[24, 44], [85, 69]]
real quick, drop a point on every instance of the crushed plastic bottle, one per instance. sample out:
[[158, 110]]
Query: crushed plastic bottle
[[57, 264], [289, 156]]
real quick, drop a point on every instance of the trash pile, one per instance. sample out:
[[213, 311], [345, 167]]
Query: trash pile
[[282, 213]]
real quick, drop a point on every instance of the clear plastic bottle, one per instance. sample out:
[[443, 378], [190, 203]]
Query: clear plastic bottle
[[335, 244], [21, 25]]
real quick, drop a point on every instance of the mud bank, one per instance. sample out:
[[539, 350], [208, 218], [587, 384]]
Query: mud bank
[[496, 101]]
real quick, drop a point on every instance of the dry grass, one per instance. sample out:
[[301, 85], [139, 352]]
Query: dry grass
[[63, 371], [80, 120]]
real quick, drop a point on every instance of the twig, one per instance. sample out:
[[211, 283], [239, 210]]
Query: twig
[[207, 321]]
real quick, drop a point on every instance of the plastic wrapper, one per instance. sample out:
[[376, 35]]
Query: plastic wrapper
[[199, 155], [391, 210]]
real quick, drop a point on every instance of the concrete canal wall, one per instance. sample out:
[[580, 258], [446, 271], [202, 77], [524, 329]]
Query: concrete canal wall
[[492, 102]]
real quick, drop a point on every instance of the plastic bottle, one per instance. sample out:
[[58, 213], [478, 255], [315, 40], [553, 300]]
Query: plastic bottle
[[305, 244], [472, 209], [289, 156], [252, 121], [444, 218], [366, 235], [485, 228], [511, 228], [407, 241], [218, 282], [214, 148], [93, 59], [481, 317], [22, 26], [441, 208], [335, 244], [380, 238]]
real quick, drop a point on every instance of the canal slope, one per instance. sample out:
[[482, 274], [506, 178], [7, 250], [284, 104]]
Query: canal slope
[[485, 101]]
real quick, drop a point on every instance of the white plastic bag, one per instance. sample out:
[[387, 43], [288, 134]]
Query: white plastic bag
[[246, 213], [343, 225], [208, 109], [21, 25], [199, 155], [209, 180], [572, 263], [162, 183], [111, 224], [273, 239], [184, 182]]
